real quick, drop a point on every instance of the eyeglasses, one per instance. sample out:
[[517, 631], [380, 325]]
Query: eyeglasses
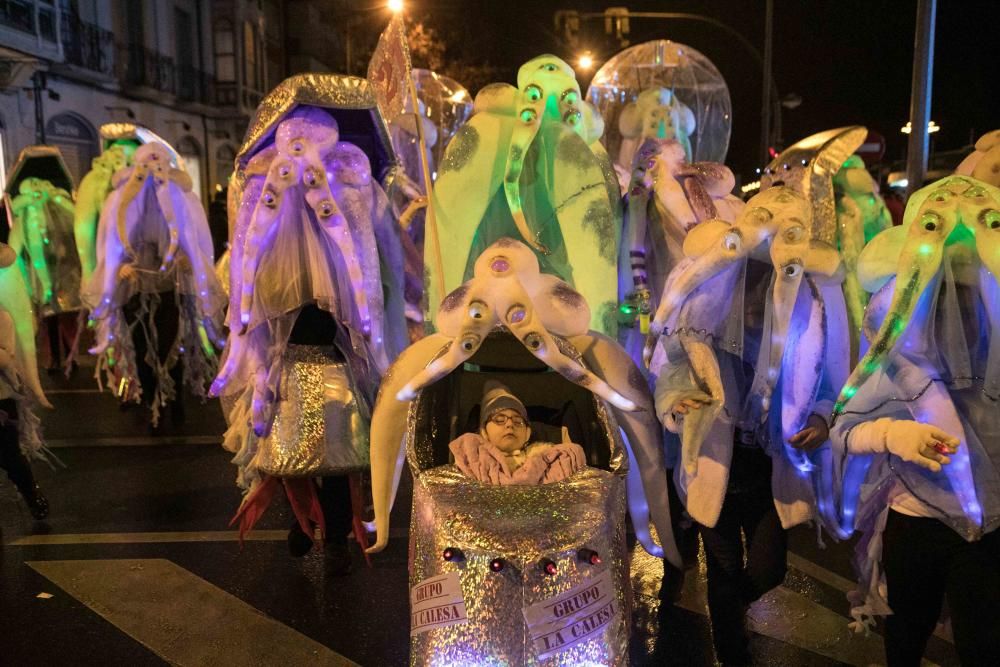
[[500, 419]]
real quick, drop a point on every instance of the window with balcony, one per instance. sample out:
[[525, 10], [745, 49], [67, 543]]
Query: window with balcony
[[18, 14], [185, 50], [35, 18], [225, 55]]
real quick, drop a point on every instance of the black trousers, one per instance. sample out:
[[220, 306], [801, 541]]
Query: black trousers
[[736, 575], [924, 561], [12, 460], [335, 499]]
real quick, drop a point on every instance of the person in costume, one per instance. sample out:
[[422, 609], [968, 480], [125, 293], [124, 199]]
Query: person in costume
[[155, 303], [316, 308], [20, 389], [529, 165], [40, 205], [752, 344], [502, 452], [916, 428]]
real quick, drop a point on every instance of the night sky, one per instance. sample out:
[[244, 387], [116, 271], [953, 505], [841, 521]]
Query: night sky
[[850, 61]]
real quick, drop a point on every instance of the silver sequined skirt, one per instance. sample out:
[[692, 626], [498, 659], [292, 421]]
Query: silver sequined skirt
[[318, 429]]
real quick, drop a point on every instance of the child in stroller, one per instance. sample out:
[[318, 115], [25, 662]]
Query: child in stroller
[[502, 451]]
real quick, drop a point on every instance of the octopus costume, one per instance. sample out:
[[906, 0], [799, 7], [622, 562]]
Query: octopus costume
[[20, 389], [316, 308], [529, 165], [917, 430], [39, 202], [510, 547], [667, 196], [155, 303], [753, 346], [120, 141]]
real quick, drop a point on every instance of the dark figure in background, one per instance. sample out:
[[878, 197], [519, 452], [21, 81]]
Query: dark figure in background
[[15, 464]]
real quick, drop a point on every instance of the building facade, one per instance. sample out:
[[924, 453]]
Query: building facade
[[193, 71]]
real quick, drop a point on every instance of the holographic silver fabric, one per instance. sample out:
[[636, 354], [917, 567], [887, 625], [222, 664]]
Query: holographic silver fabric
[[317, 429], [521, 525]]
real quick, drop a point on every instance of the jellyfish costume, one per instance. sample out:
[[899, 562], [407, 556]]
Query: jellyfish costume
[[316, 307], [931, 374], [155, 303], [39, 203], [20, 388]]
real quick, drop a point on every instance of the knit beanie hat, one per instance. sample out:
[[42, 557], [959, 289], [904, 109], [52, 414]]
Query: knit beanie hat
[[496, 397]]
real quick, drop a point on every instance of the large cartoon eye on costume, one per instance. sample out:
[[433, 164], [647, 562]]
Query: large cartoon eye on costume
[[534, 342], [732, 241], [573, 117], [570, 96], [975, 192], [940, 196], [516, 314], [533, 93], [478, 310], [470, 342], [931, 221], [529, 115], [793, 269], [990, 218], [794, 234], [761, 216]]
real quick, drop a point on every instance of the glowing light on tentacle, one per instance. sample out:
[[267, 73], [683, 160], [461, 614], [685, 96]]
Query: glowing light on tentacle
[[33, 213], [802, 369], [917, 275], [528, 123]]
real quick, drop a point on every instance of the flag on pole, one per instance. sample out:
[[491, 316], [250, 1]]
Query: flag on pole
[[389, 69]]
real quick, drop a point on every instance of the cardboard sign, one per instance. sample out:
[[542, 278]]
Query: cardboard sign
[[436, 602], [570, 618]]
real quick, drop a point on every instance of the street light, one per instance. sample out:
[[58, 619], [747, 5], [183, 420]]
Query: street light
[[586, 62], [395, 6], [932, 127]]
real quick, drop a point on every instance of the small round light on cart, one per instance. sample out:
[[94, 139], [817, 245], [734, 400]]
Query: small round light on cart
[[498, 564], [589, 556], [453, 555], [547, 566]]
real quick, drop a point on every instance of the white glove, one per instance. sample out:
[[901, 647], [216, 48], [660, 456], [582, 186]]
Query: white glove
[[922, 444]]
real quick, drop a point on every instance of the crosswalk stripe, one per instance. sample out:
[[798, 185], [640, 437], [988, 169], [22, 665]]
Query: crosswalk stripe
[[181, 617], [133, 441], [147, 538]]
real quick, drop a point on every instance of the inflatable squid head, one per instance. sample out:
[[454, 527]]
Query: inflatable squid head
[[18, 362], [547, 97], [658, 113], [775, 227], [954, 211], [307, 165]]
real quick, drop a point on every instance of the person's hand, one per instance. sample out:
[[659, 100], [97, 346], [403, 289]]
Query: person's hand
[[812, 436], [127, 272], [691, 403], [478, 459], [564, 459], [531, 473], [922, 444]]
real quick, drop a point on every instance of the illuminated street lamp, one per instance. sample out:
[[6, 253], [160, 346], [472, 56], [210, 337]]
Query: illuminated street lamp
[[932, 127], [395, 6], [586, 62]]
